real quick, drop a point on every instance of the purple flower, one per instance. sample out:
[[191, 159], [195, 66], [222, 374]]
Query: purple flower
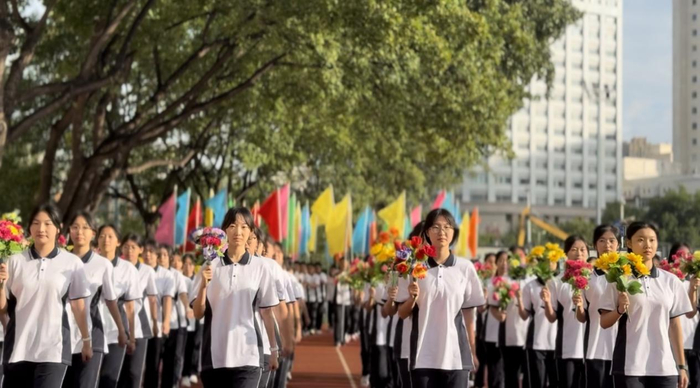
[[403, 254]]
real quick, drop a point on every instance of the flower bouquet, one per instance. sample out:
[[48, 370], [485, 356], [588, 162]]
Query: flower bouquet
[[689, 263], [674, 268], [577, 273], [357, 275], [11, 236], [212, 242], [503, 292], [517, 269], [542, 258], [411, 256], [484, 271], [618, 268]]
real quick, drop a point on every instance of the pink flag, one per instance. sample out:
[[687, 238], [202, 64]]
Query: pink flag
[[439, 200], [284, 208], [416, 215], [165, 234]]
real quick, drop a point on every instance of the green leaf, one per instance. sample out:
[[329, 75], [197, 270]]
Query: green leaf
[[635, 288], [620, 285]]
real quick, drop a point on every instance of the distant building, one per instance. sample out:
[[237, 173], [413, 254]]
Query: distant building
[[638, 147]]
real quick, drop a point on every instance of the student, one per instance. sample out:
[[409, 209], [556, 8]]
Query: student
[[165, 284], [343, 302], [690, 321], [194, 330], [442, 308], [183, 311], [648, 350], [570, 331], [321, 296], [481, 313], [126, 287], [225, 293], [492, 327], [37, 284], [599, 347], [380, 371], [174, 346], [100, 274], [286, 325], [146, 310]]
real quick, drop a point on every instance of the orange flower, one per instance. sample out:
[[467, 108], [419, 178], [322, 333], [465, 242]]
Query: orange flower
[[401, 268], [384, 237], [394, 232], [420, 271]]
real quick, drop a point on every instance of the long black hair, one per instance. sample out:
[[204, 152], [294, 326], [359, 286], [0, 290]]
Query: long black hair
[[432, 217], [636, 226]]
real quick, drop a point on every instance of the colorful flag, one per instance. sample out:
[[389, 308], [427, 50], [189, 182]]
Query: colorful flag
[[305, 230], [373, 234], [284, 209], [311, 244], [439, 200], [297, 231], [289, 239], [474, 231], [462, 248], [394, 214], [194, 221], [165, 234], [256, 213], [339, 226], [360, 235], [217, 205], [322, 206], [416, 215], [270, 211], [183, 208], [407, 227]]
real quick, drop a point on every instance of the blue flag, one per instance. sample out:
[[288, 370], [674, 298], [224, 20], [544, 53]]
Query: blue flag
[[183, 209], [360, 236], [305, 230], [218, 205]]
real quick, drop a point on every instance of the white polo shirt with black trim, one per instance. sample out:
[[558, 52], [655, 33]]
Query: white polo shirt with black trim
[[380, 324], [404, 326], [232, 337], [542, 334], [438, 336], [126, 286], [570, 332], [492, 326], [599, 342], [512, 332], [642, 346], [165, 283], [278, 278], [178, 316], [37, 290], [100, 275], [142, 307]]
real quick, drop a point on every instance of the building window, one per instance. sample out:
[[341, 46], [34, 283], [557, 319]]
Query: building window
[[695, 125], [525, 181], [591, 186], [695, 110], [695, 48], [578, 185], [558, 201], [695, 94], [541, 182], [695, 63], [695, 32], [695, 17], [695, 141]]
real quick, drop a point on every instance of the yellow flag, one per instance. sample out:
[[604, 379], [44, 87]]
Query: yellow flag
[[208, 217], [322, 206], [463, 241], [338, 226], [395, 214], [311, 245]]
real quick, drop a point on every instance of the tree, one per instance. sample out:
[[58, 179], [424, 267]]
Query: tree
[[375, 97]]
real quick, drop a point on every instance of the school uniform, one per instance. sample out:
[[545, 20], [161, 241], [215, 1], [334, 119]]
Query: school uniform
[[569, 350], [402, 340], [312, 287], [194, 340], [165, 284], [492, 345], [689, 326], [38, 346], [134, 364], [321, 295], [598, 342], [512, 338], [278, 378], [392, 354], [343, 302], [642, 356], [174, 347], [275, 272], [100, 274], [230, 316], [126, 286], [440, 351], [330, 300], [541, 338], [380, 374]]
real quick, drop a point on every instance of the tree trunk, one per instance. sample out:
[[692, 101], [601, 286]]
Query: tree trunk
[[7, 36]]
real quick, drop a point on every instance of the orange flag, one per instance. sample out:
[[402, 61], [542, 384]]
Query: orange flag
[[474, 231]]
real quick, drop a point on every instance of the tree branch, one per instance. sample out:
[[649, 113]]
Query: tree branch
[[162, 163], [99, 42], [20, 20]]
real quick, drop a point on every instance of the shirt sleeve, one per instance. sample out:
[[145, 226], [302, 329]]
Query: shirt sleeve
[[196, 284], [382, 294], [132, 291], [169, 285], [12, 264], [608, 301], [473, 293], [490, 300], [79, 287], [279, 283], [267, 289], [108, 292], [298, 290], [181, 284], [527, 299], [289, 285], [681, 300], [151, 288]]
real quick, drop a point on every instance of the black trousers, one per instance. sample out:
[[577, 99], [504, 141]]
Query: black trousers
[[646, 381], [513, 364], [134, 365], [331, 313], [479, 380], [339, 327], [112, 366], [394, 371], [83, 375], [380, 375], [365, 348], [693, 360], [313, 312], [173, 353], [494, 363], [192, 351], [243, 377], [405, 373], [152, 375], [285, 365], [598, 374], [265, 374], [34, 375], [354, 326], [180, 354], [431, 378], [543, 369], [572, 373]]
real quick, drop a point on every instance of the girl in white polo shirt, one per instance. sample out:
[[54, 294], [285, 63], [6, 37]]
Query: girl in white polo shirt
[[493, 322], [226, 293], [100, 274], [442, 309], [649, 345], [126, 287], [37, 284], [569, 350]]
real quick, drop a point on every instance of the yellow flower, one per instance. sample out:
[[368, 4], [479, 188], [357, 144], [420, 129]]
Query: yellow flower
[[537, 251], [627, 270], [635, 258], [13, 230], [554, 256], [514, 263], [604, 261], [696, 255], [376, 249], [551, 246], [642, 269]]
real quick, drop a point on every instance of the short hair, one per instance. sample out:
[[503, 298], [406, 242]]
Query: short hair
[[111, 226], [51, 210], [233, 213], [636, 226], [135, 238], [571, 240], [87, 216], [432, 217]]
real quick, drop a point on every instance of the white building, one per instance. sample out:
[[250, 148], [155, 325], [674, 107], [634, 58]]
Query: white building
[[568, 147]]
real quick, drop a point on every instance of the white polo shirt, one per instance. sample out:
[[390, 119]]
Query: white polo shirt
[[142, 307], [37, 290], [439, 337], [127, 288], [570, 332], [514, 330], [643, 347], [289, 286], [281, 291], [600, 341], [330, 288], [405, 324], [99, 273], [492, 327], [312, 282], [298, 288], [232, 337], [323, 280], [543, 334], [165, 283], [178, 318], [343, 294], [689, 325], [380, 324]]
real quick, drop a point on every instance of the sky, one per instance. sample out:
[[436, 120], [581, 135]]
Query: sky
[[647, 78]]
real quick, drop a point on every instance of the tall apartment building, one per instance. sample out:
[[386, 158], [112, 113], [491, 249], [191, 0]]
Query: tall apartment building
[[568, 147]]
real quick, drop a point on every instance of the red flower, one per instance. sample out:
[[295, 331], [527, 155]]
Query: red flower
[[384, 237], [581, 283], [401, 267], [514, 286], [420, 254], [430, 251], [416, 241], [397, 245]]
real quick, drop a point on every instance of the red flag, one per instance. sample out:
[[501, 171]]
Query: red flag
[[474, 231], [270, 212], [166, 228], [284, 209], [256, 213], [194, 221], [373, 230], [439, 200], [416, 215]]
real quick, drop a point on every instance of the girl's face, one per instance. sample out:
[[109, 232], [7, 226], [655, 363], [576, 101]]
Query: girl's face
[[490, 259], [131, 251], [606, 243], [253, 244], [108, 241], [238, 233], [42, 230], [176, 262], [441, 233], [81, 233], [261, 248], [188, 267], [644, 242], [270, 250], [502, 264], [578, 251], [150, 256], [163, 258]]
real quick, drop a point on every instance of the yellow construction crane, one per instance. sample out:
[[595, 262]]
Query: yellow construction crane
[[526, 213]]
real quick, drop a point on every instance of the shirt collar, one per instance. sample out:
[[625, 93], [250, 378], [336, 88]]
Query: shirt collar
[[86, 258], [36, 255], [115, 261], [245, 259], [138, 265], [450, 262]]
